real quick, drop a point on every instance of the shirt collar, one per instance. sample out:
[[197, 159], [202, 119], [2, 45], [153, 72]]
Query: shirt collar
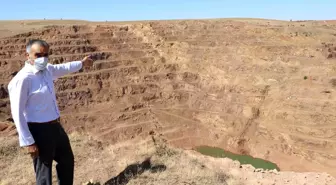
[[30, 68]]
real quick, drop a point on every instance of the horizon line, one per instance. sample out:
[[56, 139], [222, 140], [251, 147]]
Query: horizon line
[[174, 19]]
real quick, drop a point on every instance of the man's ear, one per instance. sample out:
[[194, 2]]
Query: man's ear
[[28, 58]]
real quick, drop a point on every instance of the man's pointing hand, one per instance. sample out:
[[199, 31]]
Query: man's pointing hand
[[87, 61]]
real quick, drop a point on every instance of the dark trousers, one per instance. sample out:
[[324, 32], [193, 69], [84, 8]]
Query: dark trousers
[[53, 144]]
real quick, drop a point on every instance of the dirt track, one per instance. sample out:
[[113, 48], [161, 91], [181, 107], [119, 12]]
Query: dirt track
[[239, 85]]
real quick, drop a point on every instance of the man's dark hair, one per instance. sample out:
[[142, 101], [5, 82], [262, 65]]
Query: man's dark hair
[[36, 41]]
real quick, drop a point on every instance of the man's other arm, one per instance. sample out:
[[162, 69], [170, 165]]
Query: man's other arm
[[18, 95]]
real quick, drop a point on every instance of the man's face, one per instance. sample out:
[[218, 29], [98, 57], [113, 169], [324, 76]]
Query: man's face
[[37, 51]]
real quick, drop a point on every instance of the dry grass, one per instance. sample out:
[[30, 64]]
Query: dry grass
[[100, 163], [17, 166]]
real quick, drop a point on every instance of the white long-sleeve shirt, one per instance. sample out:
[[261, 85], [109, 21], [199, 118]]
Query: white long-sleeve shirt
[[32, 96]]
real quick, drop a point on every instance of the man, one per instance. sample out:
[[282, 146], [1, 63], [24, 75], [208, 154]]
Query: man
[[36, 114]]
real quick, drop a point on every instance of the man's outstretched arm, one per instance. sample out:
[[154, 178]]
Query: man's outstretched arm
[[59, 70]]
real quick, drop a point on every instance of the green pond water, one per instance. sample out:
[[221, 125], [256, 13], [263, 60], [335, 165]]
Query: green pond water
[[243, 159]]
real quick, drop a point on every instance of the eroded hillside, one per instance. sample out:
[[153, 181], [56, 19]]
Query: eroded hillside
[[262, 88]]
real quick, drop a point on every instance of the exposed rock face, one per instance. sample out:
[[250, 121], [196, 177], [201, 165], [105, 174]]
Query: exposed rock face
[[258, 88]]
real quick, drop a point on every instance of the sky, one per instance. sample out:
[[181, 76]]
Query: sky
[[128, 10]]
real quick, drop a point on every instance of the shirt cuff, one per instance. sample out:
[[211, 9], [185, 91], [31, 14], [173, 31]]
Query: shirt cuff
[[26, 141]]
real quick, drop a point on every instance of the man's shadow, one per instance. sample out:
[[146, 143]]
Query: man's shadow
[[134, 170]]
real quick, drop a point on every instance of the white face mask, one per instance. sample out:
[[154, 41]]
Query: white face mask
[[40, 63]]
